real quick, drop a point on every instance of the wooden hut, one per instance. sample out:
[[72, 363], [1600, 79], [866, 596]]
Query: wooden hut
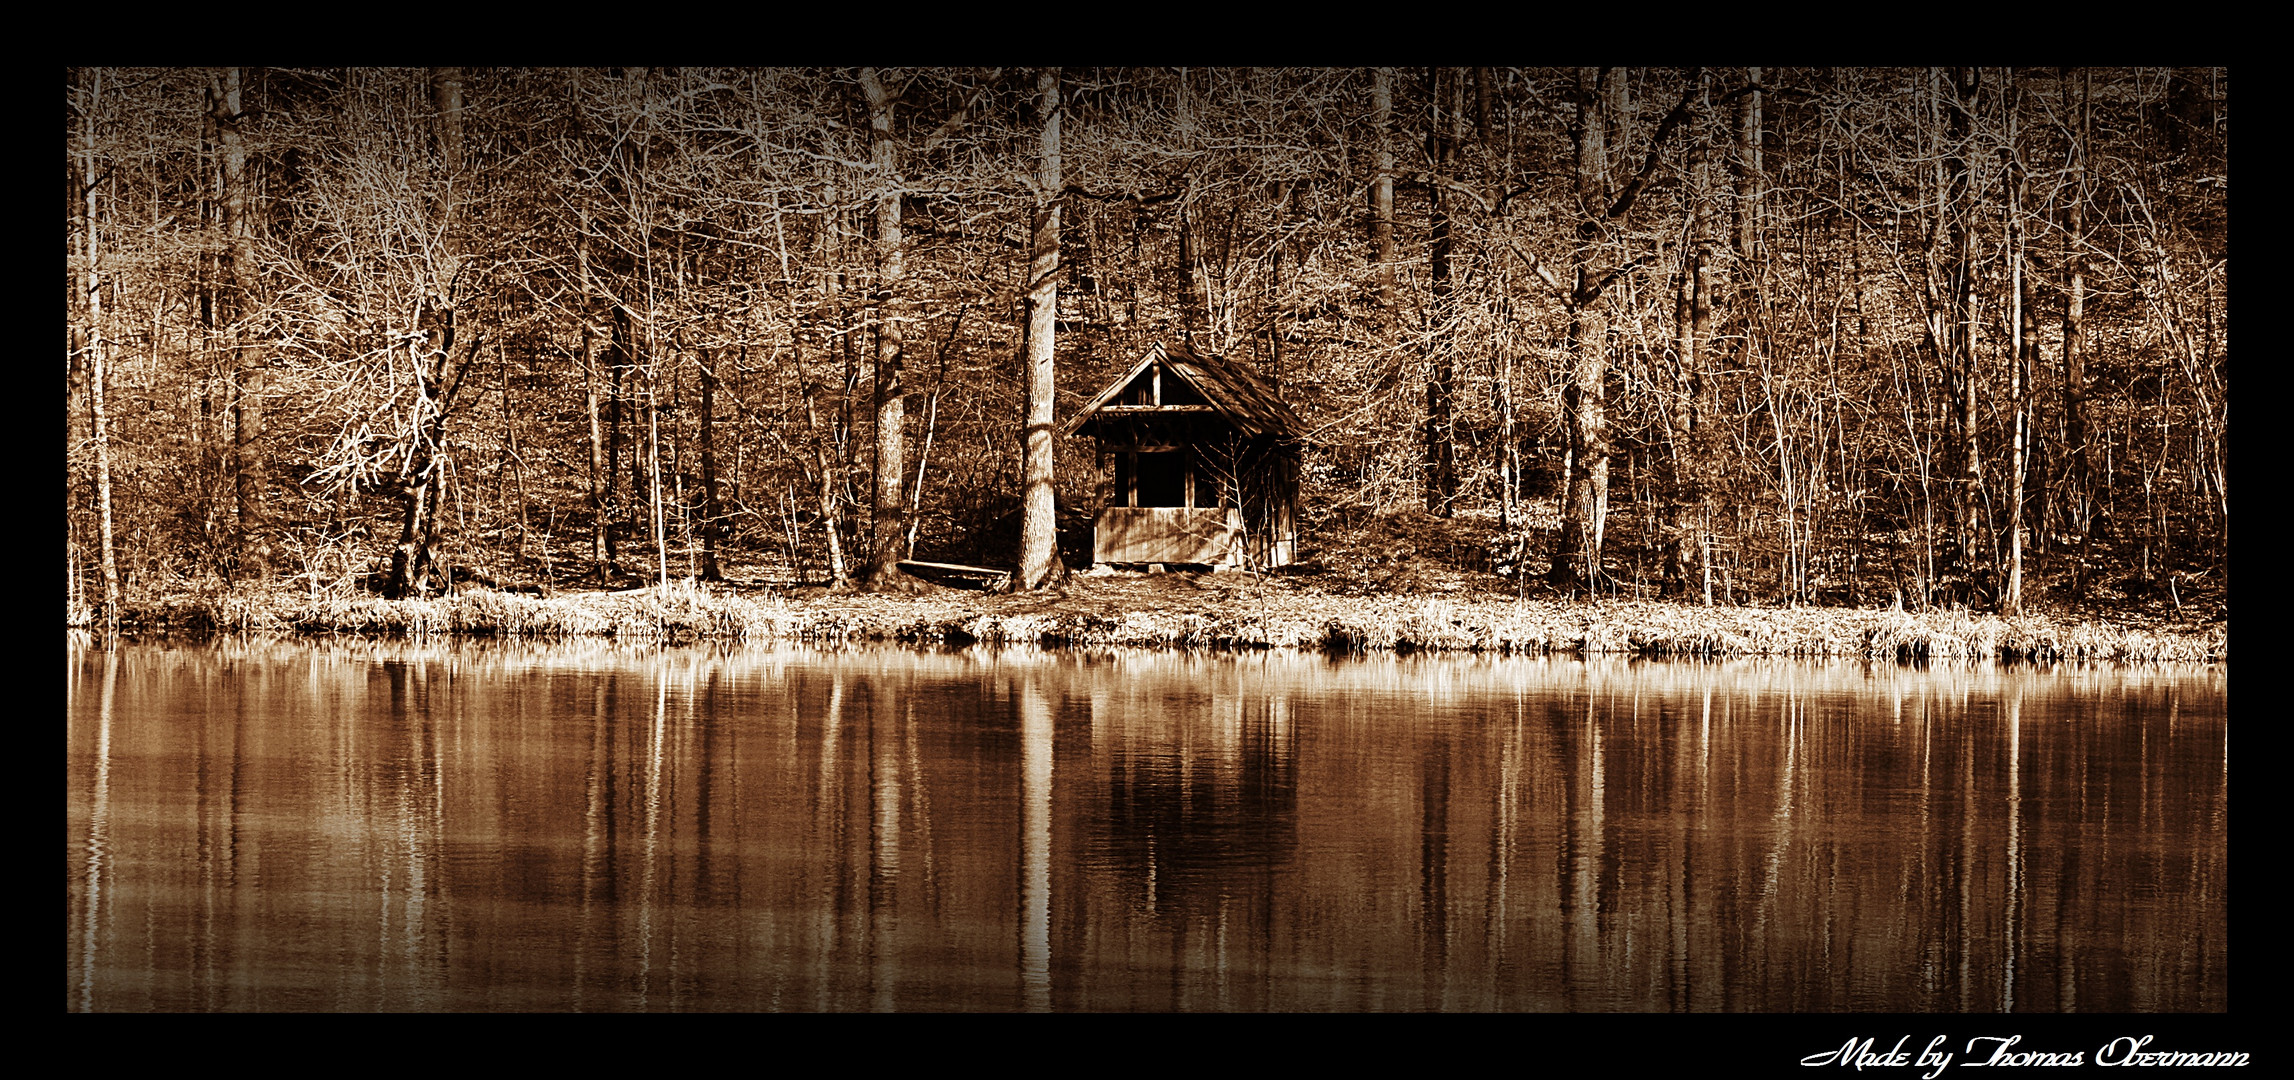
[[1198, 463]]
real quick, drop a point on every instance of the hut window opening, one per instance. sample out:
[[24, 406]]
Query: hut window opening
[[1161, 478], [1209, 492]]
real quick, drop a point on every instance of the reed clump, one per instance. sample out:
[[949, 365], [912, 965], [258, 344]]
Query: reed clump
[[1960, 635], [677, 613]]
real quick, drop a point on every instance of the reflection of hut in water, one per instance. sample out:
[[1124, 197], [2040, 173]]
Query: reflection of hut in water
[[1201, 806], [1198, 464]]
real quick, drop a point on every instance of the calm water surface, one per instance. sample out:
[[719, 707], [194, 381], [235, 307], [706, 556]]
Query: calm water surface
[[372, 826]]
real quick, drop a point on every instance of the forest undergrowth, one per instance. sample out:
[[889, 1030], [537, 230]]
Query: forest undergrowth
[[1376, 582]]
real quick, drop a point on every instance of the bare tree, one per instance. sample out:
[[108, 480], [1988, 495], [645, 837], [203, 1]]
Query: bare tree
[[91, 339], [1039, 562], [1585, 493], [890, 532], [388, 281]]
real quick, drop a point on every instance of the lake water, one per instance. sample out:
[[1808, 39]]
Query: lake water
[[262, 825]]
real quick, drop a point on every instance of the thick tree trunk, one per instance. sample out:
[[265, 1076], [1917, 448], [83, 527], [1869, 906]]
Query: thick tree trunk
[[1585, 502], [1585, 498], [1039, 561], [889, 544], [410, 557]]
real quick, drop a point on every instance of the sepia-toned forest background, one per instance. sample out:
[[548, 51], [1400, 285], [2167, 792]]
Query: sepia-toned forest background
[[1944, 337]]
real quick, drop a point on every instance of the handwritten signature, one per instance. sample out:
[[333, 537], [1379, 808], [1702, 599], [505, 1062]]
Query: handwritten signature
[[1999, 1051]]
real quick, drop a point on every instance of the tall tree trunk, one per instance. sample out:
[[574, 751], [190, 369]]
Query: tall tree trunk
[[1440, 434], [1482, 130], [624, 488], [890, 535], [248, 366], [1750, 178], [409, 559], [826, 443], [1960, 206], [108, 549], [1950, 329], [712, 511], [209, 289], [653, 468], [1585, 500], [1039, 562], [97, 348], [1748, 314], [2078, 493], [1201, 318], [1271, 295], [833, 446], [2023, 341], [445, 353], [595, 401], [1687, 501]]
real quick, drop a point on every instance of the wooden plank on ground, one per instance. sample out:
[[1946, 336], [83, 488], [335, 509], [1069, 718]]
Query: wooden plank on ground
[[988, 577]]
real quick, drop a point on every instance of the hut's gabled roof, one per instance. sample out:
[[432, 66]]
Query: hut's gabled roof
[[1234, 391]]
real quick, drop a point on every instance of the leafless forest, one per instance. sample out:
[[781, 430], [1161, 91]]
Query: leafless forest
[[1949, 336]]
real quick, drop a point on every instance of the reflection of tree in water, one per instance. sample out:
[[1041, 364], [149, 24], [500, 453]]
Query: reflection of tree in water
[[1188, 822]]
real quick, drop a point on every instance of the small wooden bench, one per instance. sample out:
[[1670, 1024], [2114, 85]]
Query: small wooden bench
[[981, 577]]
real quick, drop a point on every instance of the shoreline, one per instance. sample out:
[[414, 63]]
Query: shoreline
[[1211, 611]]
